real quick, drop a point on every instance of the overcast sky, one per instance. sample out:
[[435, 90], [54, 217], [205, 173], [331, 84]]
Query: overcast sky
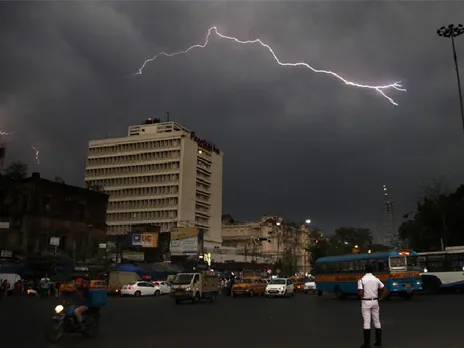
[[296, 143]]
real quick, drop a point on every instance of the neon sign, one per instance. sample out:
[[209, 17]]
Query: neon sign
[[207, 145]]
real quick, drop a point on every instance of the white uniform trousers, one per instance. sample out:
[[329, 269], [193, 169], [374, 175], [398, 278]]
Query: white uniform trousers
[[370, 311]]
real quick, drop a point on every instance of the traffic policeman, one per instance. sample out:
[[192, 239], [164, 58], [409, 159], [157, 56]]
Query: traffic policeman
[[371, 290]]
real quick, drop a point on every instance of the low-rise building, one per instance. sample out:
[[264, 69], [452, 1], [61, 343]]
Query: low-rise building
[[42, 216], [267, 240]]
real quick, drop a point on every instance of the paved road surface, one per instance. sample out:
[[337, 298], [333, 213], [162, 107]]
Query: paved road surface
[[305, 320]]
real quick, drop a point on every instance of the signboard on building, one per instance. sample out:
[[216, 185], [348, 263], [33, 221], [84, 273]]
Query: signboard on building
[[6, 253], [184, 241], [145, 240], [133, 255], [55, 241], [204, 143]]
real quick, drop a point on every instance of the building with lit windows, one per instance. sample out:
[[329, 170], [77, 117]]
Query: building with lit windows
[[161, 174]]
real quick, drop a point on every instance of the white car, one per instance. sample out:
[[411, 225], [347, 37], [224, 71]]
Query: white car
[[162, 288], [139, 289], [310, 285], [280, 287]]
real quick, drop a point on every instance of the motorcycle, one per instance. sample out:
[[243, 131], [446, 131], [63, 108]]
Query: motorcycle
[[64, 321]]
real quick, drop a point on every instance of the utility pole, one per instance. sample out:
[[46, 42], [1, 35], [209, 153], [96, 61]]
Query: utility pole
[[451, 32]]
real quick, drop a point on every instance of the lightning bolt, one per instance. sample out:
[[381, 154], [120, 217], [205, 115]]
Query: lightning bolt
[[37, 153], [380, 89]]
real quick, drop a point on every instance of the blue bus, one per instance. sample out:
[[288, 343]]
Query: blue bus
[[340, 274]]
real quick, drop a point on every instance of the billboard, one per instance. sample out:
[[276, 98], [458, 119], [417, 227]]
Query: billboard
[[144, 240], [184, 241]]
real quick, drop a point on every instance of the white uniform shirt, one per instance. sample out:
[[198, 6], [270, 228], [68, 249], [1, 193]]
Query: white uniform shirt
[[370, 285]]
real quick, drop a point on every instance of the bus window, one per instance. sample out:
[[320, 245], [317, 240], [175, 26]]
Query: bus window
[[436, 263], [347, 267], [360, 266], [413, 263], [398, 262], [457, 262], [332, 267], [381, 265]]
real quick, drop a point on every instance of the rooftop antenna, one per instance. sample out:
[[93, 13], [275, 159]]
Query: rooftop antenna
[[167, 116]]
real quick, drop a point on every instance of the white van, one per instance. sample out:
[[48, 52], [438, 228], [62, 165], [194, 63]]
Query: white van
[[11, 277]]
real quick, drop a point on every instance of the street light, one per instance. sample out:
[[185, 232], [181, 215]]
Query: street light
[[451, 32], [308, 221]]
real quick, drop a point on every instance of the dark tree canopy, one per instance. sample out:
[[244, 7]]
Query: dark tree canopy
[[438, 222], [345, 240], [16, 171]]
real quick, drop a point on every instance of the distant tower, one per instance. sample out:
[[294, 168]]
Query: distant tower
[[389, 220], [2, 155]]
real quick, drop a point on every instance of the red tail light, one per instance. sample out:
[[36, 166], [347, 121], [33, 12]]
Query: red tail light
[[130, 287], [155, 284]]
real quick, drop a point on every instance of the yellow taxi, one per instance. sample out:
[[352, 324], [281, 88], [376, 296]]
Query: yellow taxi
[[249, 286]]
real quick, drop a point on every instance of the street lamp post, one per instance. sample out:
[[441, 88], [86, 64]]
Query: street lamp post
[[451, 32]]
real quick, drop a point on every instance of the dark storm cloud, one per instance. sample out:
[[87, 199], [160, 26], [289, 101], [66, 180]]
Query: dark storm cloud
[[297, 143]]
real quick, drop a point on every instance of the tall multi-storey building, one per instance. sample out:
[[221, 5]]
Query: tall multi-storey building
[[162, 174]]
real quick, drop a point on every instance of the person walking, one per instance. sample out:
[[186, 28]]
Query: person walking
[[369, 289]]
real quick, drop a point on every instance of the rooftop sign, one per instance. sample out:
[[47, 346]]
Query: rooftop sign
[[206, 144]]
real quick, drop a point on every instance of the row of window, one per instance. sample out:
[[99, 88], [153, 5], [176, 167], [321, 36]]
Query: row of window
[[203, 165], [142, 216], [144, 145], [137, 169], [124, 229], [350, 267], [201, 209], [143, 204], [202, 197], [137, 180], [199, 220], [203, 186], [144, 191], [141, 157], [442, 263], [202, 176], [165, 226]]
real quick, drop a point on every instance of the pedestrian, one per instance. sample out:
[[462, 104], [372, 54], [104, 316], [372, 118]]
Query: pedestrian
[[369, 288]]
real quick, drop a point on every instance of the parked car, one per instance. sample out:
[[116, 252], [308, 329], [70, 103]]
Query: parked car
[[162, 288], [280, 287], [139, 289]]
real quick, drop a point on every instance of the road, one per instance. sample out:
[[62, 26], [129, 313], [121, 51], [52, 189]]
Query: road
[[305, 320]]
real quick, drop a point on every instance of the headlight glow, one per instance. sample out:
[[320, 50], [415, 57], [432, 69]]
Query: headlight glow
[[395, 284], [59, 309]]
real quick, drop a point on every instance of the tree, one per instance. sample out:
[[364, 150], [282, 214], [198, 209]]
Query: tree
[[16, 171], [438, 221], [353, 236], [342, 242]]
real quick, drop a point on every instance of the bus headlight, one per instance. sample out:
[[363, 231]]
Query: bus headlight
[[394, 284], [59, 309], [419, 283]]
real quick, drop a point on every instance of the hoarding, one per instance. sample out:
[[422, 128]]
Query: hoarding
[[144, 240], [133, 255], [184, 241]]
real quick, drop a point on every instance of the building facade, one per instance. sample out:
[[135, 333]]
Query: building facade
[[161, 173], [268, 240], [35, 210]]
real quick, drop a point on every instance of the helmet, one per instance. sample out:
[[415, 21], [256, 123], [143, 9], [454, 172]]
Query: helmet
[[79, 283]]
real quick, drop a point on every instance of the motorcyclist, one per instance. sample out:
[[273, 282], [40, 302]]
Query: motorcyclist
[[80, 299]]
